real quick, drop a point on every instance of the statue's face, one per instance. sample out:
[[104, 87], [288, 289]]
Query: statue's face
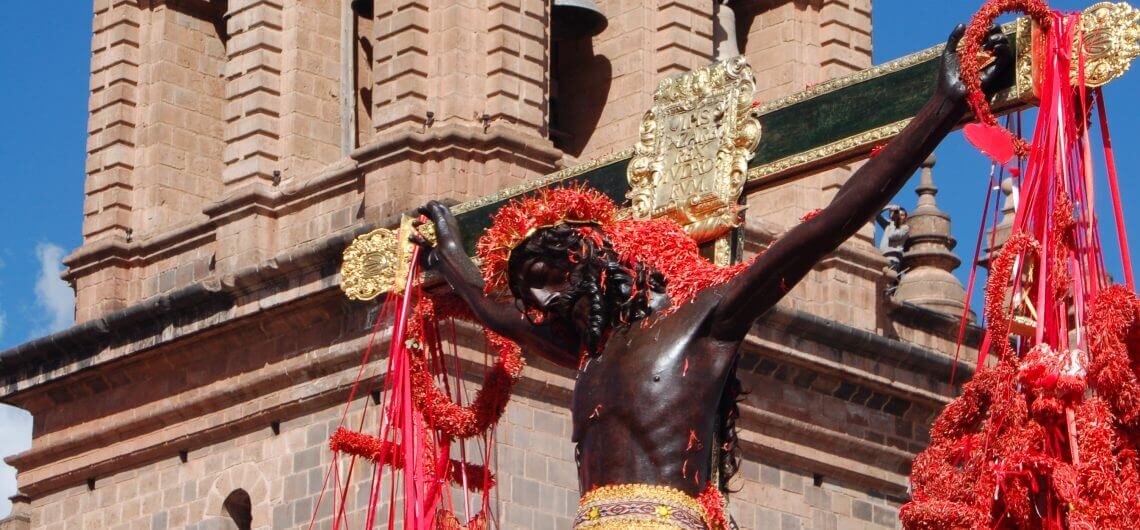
[[539, 283]]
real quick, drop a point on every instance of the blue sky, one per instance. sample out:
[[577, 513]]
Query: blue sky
[[43, 111], [45, 64]]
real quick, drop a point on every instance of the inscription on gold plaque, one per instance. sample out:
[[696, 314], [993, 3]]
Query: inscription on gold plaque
[[692, 140], [692, 155]]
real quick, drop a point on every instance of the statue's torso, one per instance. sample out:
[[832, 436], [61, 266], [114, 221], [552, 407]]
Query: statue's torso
[[645, 409]]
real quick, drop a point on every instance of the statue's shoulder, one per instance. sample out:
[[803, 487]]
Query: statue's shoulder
[[697, 307]]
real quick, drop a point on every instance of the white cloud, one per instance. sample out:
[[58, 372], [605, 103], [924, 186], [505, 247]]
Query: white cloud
[[54, 296], [16, 424]]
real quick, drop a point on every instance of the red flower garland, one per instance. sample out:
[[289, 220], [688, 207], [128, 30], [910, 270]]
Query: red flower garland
[[1001, 276], [972, 55], [385, 452], [713, 502], [1025, 447], [1113, 371], [437, 407]]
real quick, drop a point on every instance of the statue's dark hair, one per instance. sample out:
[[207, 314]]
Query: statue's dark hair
[[617, 293], [729, 412]]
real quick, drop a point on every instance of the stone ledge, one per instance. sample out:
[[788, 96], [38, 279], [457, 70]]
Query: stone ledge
[[453, 136], [63, 353], [838, 335], [95, 255], [271, 200], [791, 441], [797, 443], [205, 399], [261, 198], [816, 364], [923, 318], [33, 363], [16, 522]]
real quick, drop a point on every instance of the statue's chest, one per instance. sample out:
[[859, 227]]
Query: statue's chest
[[669, 361]]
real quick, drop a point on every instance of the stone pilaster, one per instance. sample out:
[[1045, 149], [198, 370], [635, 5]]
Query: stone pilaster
[[113, 119], [844, 36], [624, 55], [402, 64], [183, 100], [782, 43], [310, 79], [789, 45], [482, 72], [113, 137], [683, 40], [21, 516], [253, 91], [517, 65]]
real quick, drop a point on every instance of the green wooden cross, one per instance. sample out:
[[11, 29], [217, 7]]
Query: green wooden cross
[[843, 120]]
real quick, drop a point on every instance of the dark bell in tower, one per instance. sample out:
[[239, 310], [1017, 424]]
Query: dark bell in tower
[[576, 19], [363, 8]]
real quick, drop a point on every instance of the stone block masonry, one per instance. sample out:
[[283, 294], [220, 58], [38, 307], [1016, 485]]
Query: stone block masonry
[[214, 352]]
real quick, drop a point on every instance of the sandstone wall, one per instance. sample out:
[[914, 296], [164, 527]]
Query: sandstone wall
[[225, 174]]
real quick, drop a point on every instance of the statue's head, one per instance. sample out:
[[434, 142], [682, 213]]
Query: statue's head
[[570, 273], [551, 252]]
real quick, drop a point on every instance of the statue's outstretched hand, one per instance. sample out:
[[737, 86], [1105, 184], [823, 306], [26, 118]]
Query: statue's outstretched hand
[[996, 76], [446, 232]]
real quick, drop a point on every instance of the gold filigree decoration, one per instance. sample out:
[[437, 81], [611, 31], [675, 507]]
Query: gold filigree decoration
[[722, 250], [691, 158], [1110, 36], [377, 262], [1023, 66], [595, 507]]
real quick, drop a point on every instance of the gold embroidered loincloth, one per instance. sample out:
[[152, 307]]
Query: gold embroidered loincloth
[[640, 507]]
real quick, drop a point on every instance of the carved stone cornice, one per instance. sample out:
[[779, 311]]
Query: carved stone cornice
[[441, 140], [256, 197]]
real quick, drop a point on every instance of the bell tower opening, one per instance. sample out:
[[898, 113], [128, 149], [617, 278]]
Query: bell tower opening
[[579, 79]]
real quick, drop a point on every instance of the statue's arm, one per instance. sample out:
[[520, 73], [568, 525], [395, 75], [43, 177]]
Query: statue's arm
[[790, 258], [448, 257]]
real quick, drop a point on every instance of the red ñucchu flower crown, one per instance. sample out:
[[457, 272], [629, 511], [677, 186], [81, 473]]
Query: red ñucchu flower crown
[[521, 218], [658, 243]]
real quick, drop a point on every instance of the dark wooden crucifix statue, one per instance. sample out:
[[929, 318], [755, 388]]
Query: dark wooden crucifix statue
[[637, 424]]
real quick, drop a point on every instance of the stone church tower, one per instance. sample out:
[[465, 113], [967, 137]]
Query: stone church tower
[[237, 146]]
